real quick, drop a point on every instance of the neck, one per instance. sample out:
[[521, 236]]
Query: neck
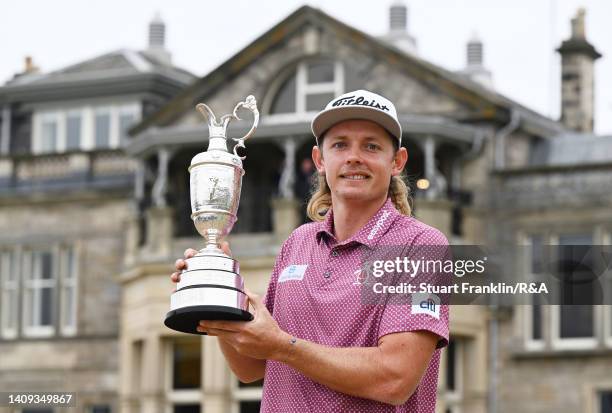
[[349, 218]]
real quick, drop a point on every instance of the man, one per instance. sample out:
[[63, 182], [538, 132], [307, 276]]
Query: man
[[318, 348]]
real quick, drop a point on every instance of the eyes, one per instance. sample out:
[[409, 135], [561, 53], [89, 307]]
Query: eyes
[[372, 147]]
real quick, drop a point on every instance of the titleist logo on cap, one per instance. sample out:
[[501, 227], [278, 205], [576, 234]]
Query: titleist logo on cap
[[361, 101]]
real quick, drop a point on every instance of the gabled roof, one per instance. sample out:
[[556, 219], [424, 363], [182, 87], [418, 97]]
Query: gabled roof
[[485, 104]]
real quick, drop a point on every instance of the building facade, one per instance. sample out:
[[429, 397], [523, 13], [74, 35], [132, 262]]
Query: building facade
[[89, 270]]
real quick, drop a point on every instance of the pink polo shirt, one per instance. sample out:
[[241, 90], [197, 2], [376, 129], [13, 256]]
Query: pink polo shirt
[[313, 295]]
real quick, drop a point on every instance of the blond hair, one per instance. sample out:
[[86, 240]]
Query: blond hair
[[320, 201]]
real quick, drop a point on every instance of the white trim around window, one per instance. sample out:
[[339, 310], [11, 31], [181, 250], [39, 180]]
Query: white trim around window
[[9, 293], [525, 240], [607, 309], [608, 320], [454, 398], [179, 396], [87, 135], [583, 343], [69, 276], [303, 89], [39, 292], [248, 394]]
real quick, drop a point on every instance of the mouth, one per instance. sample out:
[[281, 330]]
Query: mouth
[[355, 176]]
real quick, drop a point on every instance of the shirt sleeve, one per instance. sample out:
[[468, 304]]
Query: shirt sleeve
[[420, 312]]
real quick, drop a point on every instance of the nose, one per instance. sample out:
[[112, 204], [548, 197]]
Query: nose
[[353, 155]]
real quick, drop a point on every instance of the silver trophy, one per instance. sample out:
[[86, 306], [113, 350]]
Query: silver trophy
[[211, 287]]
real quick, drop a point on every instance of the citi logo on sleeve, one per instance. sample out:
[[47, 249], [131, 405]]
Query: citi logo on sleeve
[[428, 304]]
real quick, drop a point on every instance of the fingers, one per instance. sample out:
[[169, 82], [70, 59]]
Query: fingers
[[180, 264], [254, 299], [190, 252], [226, 248]]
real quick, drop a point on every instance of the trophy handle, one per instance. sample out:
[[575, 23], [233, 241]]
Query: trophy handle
[[251, 104]]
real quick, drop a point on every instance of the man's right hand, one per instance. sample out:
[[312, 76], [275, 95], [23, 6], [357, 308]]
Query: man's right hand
[[181, 264]]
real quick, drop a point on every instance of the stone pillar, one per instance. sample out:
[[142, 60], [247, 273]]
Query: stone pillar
[[287, 179], [152, 400], [132, 236], [216, 378], [139, 180], [437, 182], [429, 147], [161, 182], [285, 209], [160, 231], [5, 133], [130, 376]]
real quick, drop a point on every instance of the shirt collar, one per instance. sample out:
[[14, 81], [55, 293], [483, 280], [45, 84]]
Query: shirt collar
[[370, 233]]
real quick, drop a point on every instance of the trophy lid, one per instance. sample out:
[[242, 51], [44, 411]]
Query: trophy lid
[[218, 129]]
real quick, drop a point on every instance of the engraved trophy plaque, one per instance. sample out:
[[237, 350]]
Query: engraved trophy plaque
[[211, 287]]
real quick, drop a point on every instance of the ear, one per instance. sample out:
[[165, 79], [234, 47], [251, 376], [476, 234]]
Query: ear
[[399, 161], [317, 158]]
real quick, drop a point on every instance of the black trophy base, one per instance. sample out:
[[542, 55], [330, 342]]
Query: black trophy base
[[186, 319]]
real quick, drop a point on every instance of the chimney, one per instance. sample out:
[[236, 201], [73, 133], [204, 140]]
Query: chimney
[[577, 78], [157, 39], [398, 34], [29, 66], [475, 68]]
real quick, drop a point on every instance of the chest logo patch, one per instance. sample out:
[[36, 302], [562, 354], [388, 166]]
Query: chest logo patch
[[292, 272], [426, 304]]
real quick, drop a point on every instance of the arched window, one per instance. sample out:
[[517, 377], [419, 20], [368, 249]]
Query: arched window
[[307, 89]]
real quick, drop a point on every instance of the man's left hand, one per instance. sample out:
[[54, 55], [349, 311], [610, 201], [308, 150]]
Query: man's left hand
[[260, 338]]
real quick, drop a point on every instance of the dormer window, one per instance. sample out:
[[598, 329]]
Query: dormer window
[[308, 89], [88, 127]]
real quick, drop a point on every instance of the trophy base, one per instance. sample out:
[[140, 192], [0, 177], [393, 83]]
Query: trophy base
[[186, 319]]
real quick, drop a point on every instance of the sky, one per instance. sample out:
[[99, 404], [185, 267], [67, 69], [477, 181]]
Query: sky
[[519, 36]]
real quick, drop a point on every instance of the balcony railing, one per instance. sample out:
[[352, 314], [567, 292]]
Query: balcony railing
[[104, 169]]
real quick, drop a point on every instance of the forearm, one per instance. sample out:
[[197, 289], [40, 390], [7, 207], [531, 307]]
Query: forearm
[[357, 371], [247, 369]]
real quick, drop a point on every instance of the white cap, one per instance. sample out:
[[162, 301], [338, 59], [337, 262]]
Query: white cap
[[359, 104]]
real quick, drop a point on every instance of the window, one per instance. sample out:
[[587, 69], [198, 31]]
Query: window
[[102, 129], [184, 375], [127, 118], [42, 283], [536, 252], [574, 324], [68, 299], [307, 90], [452, 375], [100, 126], [186, 408], [39, 292], [73, 130], [247, 396], [49, 126], [605, 402], [9, 285], [99, 408]]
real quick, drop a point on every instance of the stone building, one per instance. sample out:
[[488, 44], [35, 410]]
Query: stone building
[[476, 158], [66, 192]]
